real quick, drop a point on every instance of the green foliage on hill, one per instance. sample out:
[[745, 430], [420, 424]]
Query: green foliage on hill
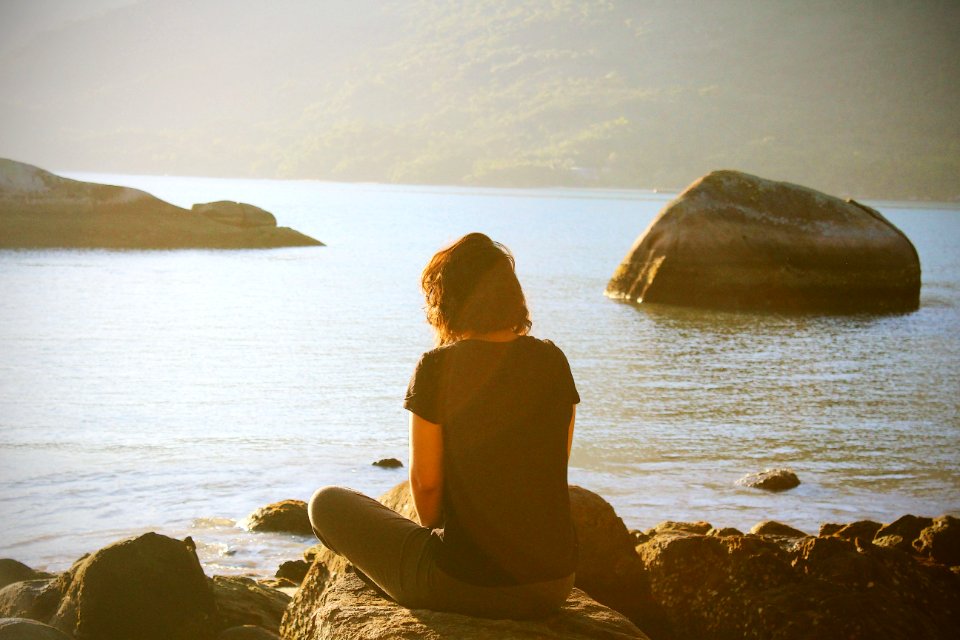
[[856, 97]]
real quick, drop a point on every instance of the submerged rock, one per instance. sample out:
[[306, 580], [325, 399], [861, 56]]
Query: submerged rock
[[770, 480], [348, 608], [41, 210], [736, 241], [286, 516]]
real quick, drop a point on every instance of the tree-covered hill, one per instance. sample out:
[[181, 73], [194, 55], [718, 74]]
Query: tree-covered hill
[[854, 97]]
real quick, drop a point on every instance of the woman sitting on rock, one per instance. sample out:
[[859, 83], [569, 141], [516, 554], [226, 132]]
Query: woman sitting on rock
[[491, 423]]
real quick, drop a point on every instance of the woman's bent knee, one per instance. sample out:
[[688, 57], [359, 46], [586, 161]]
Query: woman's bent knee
[[324, 505]]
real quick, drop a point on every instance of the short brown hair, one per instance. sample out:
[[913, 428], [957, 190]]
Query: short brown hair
[[471, 287]]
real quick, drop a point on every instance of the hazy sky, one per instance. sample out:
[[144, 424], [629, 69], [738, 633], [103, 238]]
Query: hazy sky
[[21, 19]]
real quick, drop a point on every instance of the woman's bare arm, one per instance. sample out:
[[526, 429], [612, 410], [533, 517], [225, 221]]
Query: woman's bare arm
[[573, 418], [426, 470]]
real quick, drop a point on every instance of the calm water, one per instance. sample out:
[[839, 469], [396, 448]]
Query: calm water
[[179, 391]]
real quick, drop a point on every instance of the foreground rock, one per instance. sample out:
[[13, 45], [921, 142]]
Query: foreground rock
[[736, 241], [776, 586], [348, 608], [608, 570], [242, 601], [14, 571], [41, 210], [149, 587]]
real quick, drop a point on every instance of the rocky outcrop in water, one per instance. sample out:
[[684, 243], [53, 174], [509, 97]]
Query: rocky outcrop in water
[[735, 241], [41, 210]]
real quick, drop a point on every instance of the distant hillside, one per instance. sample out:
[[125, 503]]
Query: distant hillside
[[858, 97]]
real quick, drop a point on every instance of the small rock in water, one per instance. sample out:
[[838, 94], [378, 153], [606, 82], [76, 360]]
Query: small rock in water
[[286, 516], [770, 480], [388, 463]]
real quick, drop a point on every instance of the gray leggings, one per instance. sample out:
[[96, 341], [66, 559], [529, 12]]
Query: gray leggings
[[394, 553]]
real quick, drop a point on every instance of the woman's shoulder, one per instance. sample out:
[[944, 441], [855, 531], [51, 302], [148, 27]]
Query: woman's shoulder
[[544, 344]]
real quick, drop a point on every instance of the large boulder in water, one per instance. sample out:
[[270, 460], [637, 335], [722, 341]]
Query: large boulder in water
[[736, 241], [41, 210]]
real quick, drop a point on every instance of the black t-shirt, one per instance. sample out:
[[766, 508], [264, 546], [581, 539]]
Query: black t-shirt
[[504, 409]]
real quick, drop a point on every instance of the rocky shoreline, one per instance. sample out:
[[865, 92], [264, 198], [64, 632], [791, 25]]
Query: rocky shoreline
[[676, 580]]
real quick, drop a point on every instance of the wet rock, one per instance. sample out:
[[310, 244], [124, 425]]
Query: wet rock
[[770, 480], [150, 587], [24, 629], [774, 528], [244, 601], [388, 463], [348, 608], [736, 241], [941, 540], [293, 570], [901, 533], [39, 209], [286, 516], [247, 632]]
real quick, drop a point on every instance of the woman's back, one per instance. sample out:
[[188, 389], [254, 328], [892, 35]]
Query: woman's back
[[505, 409]]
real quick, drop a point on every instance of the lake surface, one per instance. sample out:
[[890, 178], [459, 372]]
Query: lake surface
[[178, 391]]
